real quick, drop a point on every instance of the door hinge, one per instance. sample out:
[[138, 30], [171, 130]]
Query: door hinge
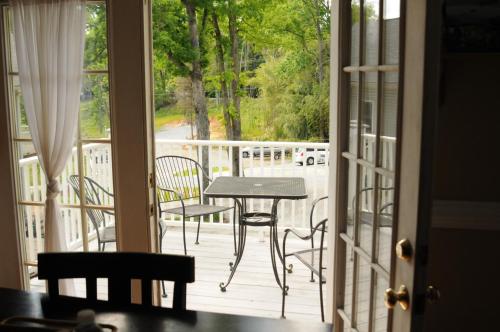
[[151, 180], [151, 210]]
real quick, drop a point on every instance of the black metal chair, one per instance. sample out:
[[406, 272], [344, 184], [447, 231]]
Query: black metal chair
[[119, 268], [311, 257], [94, 194], [179, 179]]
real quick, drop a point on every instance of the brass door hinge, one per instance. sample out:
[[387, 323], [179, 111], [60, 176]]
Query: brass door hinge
[[151, 180]]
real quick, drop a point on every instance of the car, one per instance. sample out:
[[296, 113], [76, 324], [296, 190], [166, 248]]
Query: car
[[310, 156], [256, 150]]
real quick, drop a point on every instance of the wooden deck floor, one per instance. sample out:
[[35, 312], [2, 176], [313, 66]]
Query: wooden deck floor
[[253, 290]]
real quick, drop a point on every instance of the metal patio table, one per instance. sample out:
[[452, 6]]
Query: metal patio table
[[242, 188]]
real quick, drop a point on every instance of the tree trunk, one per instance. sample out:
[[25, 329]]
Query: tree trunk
[[199, 102], [221, 68], [321, 70], [235, 83]]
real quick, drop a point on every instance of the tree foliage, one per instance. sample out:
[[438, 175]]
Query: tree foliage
[[271, 56]]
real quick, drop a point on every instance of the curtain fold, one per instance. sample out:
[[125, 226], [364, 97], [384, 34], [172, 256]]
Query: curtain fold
[[49, 37]]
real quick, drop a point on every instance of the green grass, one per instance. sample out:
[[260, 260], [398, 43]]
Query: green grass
[[254, 118], [166, 116]]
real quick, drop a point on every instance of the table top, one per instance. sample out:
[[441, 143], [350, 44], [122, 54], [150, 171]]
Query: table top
[[139, 318], [257, 187]]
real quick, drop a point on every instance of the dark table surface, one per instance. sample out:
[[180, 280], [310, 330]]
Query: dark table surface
[[138, 318], [257, 187]]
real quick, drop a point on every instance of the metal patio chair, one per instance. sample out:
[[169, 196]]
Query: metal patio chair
[[311, 257], [94, 194], [179, 179]]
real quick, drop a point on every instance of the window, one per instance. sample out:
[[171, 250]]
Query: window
[[87, 210]]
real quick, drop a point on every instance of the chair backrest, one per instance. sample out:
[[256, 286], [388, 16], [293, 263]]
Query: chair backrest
[[184, 175], [119, 268], [95, 194]]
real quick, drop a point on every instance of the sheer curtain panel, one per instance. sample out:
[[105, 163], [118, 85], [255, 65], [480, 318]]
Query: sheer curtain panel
[[49, 37]]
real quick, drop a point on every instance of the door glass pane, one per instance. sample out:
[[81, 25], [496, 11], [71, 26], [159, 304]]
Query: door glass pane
[[349, 268], [72, 220], [365, 206], [32, 181], [380, 312], [96, 48], [385, 213], [355, 19], [371, 33], [353, 112], [98, 191], [362, 294], [31, 219], [389, 120], [19, 120], [94, 106], [369, 116], [391, 32], [98, 174], [351, 197]]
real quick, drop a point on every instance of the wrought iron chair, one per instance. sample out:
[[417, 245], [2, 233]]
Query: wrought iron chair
[[93, 195], [119, 268], [179, 179], [311, 257]]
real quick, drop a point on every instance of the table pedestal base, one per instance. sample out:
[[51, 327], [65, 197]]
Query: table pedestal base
[[256, 219]]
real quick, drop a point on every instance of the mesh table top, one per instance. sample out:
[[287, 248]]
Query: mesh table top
[[257, 187]]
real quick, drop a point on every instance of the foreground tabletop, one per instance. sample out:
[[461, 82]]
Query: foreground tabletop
[[138, 318]]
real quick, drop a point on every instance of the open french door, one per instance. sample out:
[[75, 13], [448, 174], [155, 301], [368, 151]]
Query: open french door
[[381, 108]]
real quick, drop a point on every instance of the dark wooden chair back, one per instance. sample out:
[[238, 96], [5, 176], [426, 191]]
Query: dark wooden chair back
[[119, 268]]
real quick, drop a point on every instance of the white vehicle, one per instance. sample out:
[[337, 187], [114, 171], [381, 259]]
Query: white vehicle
[[310, 156], [255, 152]]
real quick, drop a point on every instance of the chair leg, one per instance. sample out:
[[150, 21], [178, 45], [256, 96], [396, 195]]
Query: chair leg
[[321, 296], [198, 231], [234, 230], [184, 233], [160, 246], [103, 246], [164, 292], [284, 289]]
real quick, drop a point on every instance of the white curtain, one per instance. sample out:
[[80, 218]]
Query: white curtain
[[49, 37]]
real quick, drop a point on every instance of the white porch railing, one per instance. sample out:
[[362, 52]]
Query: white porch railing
[[96, 164]]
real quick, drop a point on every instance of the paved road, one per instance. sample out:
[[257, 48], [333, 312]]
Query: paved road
[[177, 132]]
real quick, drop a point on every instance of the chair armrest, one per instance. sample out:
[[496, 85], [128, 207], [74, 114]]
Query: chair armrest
[[321, 224]]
